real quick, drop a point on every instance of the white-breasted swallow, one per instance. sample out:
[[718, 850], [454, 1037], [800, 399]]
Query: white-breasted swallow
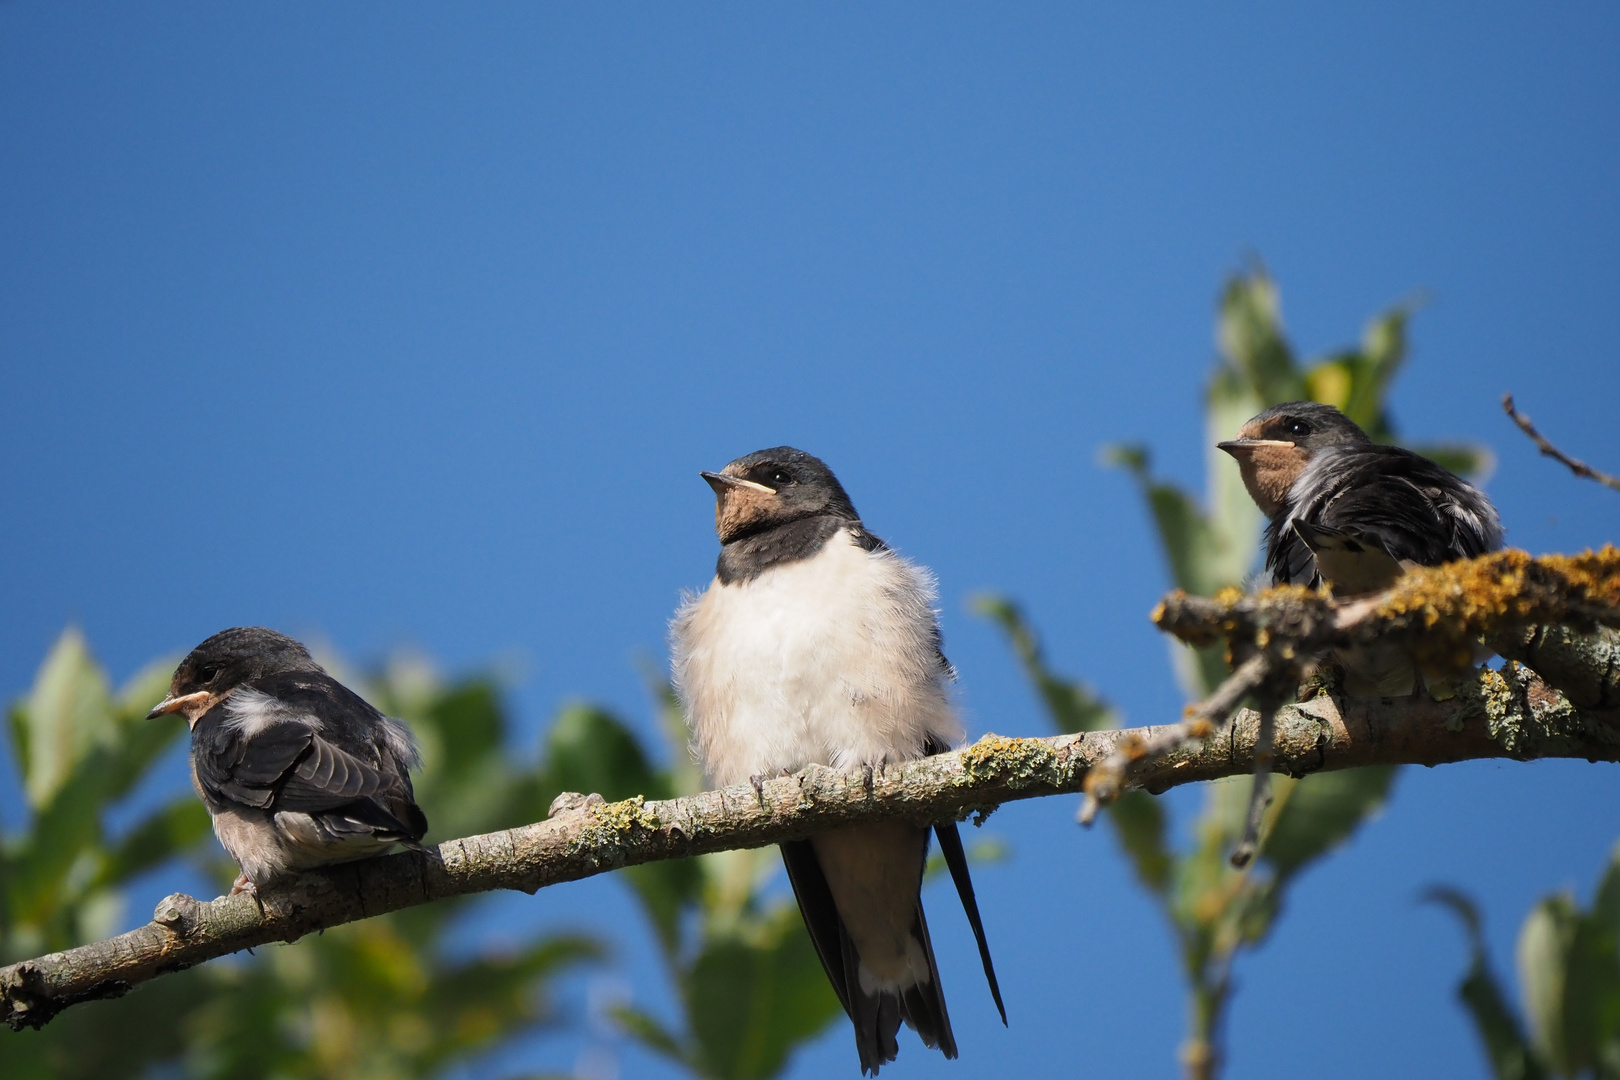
[[296, 769], [817, 644], [1352, 514]]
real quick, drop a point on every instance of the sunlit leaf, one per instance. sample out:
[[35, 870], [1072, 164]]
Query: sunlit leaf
[[67, 715], [1250, 337], [1543, 951]]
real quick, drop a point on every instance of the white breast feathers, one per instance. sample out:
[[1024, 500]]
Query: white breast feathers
[[829, 660]]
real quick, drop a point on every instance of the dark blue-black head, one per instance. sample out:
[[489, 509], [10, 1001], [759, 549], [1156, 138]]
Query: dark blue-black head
[[224, 662], [773, 487], [1274, 447]]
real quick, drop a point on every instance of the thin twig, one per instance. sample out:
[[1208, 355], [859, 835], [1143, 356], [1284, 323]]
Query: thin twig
[[1579, 468], [1260, 793], [1109, 777]]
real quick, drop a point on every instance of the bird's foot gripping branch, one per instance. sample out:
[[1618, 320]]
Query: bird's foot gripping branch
[[1556, 612]]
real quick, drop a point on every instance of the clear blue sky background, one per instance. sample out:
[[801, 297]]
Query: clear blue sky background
[[400, 325]]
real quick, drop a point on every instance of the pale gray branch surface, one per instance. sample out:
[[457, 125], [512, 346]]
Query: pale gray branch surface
[[1510, 715]]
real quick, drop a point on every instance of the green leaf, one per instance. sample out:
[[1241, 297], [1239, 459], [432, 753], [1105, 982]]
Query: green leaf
[[160, 836], [753, 996], [1139, 819], [1469, 460], [1071, 705], [1249, 333], [666, 889], [67, 715], [591, 751], [1509, 1054], [1320, 812], [1544, 944], [470, 725], [646, 1030]]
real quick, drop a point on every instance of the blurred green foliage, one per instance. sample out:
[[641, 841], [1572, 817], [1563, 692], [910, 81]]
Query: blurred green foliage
[[1209, 543], [1569, 975], [748, 984], [381, 998]]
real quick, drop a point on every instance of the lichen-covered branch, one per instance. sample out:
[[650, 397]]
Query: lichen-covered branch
[[1512, 715], [1441, 612]]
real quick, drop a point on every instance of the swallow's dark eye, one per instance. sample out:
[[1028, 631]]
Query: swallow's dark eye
[[1298, 428], [206, 674], [781, 478]]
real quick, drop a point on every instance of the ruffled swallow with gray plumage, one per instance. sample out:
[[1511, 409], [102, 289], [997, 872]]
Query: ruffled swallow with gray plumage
[[1351, 515], [296, 769]]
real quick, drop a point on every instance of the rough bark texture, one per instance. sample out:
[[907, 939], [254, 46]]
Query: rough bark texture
[[1508, 715]]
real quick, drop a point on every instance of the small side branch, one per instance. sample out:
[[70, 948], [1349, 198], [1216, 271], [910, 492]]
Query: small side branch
[[1260, 793], [1497, 715], [1579, 468], [1109, 778]]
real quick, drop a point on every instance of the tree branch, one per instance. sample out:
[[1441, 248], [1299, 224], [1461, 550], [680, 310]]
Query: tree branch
[[1579, 468], [1497, 715]]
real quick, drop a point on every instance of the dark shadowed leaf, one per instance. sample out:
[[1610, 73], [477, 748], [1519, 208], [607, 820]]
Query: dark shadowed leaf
[[1498, 1028], [646, 1030], [590, 751], [1321, 811], [753, 997], [1140, 821], [164, 834]]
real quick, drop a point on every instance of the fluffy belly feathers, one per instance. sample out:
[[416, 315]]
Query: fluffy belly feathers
[[829, 660]]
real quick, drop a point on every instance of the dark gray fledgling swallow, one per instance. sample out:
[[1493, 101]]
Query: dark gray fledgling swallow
[[816, 644], [1352, 515], [295, 768]]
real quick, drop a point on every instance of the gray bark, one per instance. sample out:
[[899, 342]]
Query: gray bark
[[1508, 715]]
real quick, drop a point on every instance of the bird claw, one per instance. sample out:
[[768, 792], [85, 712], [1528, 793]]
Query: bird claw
[[243, 884], [758, 782]]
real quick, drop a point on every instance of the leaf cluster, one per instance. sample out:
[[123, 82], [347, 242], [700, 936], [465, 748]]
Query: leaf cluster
[[1569, 973], [749, 986], [387, 997], [1209, 544]]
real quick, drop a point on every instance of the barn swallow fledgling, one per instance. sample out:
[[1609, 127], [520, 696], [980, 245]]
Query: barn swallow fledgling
[[1353, 514], [816, 644], [295, 768]]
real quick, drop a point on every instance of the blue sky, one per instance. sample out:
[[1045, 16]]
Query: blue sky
[[406, 326]]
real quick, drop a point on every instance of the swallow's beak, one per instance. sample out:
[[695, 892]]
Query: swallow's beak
[[1237, 447], [173, 704], [723, 483]]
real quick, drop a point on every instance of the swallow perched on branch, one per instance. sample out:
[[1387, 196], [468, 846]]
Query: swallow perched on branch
[[294, 767], [1351, 514], [817, 644]]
